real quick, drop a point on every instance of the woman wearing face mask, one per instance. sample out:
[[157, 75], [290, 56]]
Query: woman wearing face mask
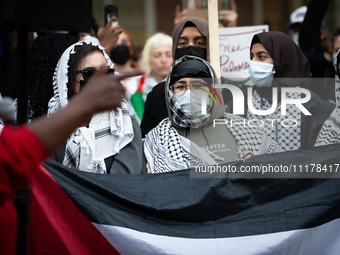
[[189, 137], [111, 141], [274, 55], [189, 37], [123, 56]]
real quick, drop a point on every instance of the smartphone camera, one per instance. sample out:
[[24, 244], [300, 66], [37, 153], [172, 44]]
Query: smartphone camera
[[110, 11]]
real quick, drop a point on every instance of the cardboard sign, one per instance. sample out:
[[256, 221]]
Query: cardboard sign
[[235, 52]]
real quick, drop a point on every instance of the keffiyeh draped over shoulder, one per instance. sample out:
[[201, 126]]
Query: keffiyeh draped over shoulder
[[106, 134], [168, 148], [165, 150], [292, 69], [330, 130]]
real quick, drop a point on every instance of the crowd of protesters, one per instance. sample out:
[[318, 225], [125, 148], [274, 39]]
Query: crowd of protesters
[[106, 116]]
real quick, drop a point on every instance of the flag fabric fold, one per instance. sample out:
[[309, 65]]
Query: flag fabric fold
[[75, 212]]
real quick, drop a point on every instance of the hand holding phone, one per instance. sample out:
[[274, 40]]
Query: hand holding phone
[[228, 18], [108, 35], [109, 12]]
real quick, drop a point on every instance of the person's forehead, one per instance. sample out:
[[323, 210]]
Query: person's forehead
[[191, 32], [95, 59], [161, 48], [187, 79], [123, 38], [258, 47]]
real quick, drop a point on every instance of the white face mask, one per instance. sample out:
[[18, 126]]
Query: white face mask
[[261, 73], [191, 103]]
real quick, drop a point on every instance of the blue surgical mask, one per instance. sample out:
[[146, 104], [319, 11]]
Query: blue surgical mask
[[261, 73], [191, 103]]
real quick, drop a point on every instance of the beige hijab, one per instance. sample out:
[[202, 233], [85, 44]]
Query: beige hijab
[[202, 26]]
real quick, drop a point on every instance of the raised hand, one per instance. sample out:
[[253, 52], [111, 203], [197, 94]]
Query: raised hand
[[228, 18], [108, 35]]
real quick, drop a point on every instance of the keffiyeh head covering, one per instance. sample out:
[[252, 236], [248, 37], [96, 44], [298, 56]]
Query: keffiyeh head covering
[[186, 67], [106, 134], [330, 130], [166, 150]]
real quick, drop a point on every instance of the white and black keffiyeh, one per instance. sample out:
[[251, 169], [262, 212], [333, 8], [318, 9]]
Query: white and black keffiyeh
[[250, 139], [60, 76], [165, 150], [184, 120], [287, 135], [180, 117], [106, 134], [330, 130]]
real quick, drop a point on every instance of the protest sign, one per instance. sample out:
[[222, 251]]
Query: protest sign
[[235, 52]]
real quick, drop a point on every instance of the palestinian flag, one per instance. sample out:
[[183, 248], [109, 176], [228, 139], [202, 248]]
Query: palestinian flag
[[74, 212]]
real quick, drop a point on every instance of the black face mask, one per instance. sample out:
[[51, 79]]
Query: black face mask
[[120, 54], [192, 51]]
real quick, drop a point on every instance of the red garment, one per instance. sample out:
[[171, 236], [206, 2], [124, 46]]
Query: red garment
[[141, 83], [21, 152]]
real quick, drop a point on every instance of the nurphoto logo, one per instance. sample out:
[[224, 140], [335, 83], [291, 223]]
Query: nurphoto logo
[[238, 104]]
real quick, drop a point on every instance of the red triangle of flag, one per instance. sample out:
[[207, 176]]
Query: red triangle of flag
[[57, 226]]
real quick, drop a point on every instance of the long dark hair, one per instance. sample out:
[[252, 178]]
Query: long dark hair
[[81, 51]]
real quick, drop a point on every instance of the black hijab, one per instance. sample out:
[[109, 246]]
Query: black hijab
[[191, 68], [289, 62]]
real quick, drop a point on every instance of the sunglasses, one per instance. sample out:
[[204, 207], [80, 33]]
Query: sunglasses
[[87, 73]]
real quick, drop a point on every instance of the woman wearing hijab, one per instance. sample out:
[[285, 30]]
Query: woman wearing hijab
[[275, 56], [23, 149], [111, 141], [189, 37], [188, 138], [330, 131]]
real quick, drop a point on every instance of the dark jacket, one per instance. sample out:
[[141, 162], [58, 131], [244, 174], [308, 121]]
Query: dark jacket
[[310, 44], [155, 109]]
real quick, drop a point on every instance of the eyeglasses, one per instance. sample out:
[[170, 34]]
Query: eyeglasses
[[195, 86], [87, 73]]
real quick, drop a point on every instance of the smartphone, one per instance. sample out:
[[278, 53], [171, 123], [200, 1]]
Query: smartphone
[[110, 11]]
